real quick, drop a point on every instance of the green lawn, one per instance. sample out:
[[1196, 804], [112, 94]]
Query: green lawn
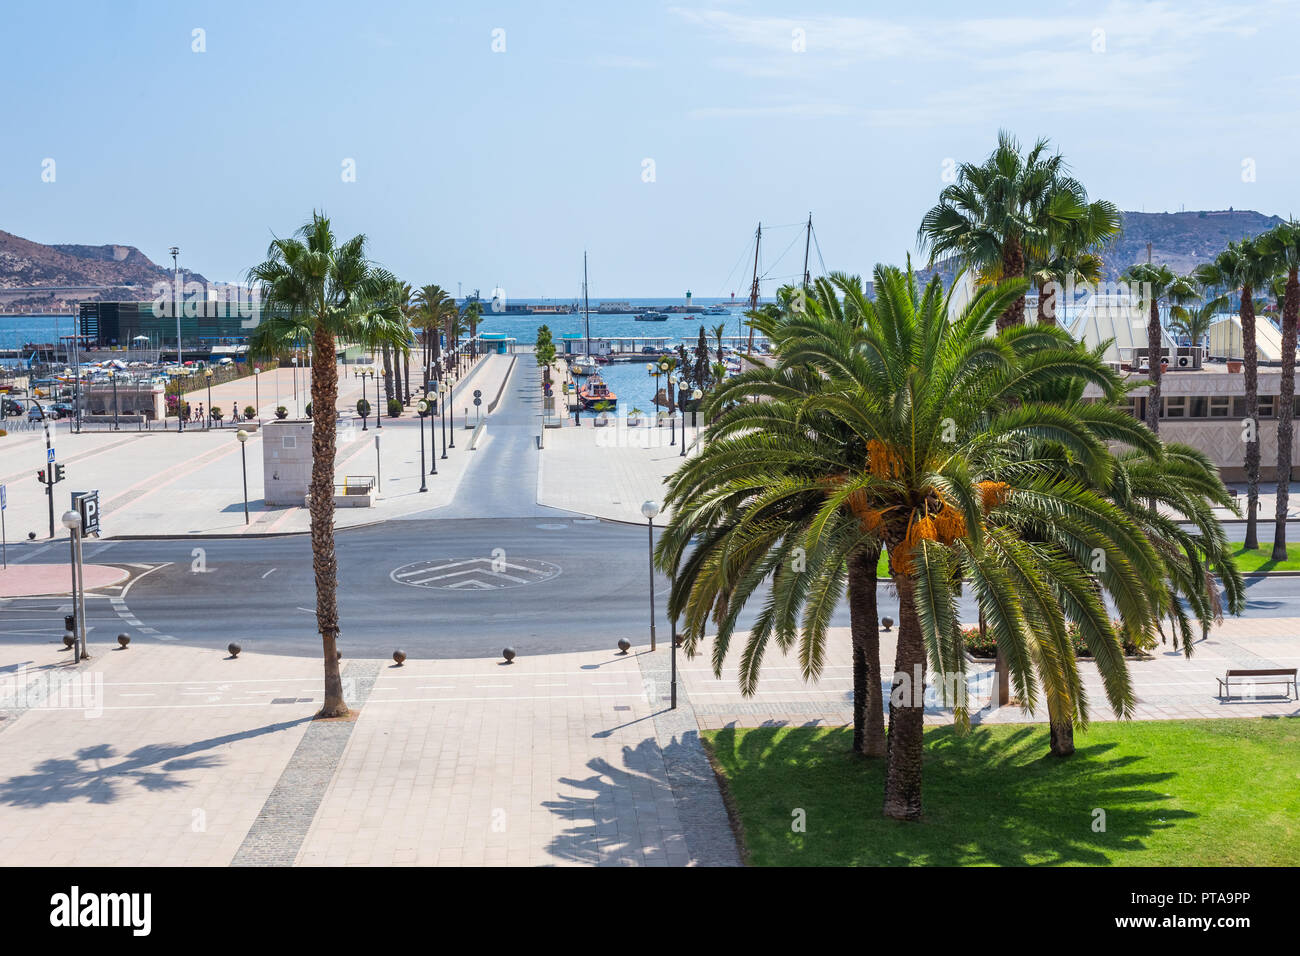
[[1262, 560], [1185, 793]]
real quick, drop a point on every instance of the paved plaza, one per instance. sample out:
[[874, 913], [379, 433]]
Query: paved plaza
[[172, 752]]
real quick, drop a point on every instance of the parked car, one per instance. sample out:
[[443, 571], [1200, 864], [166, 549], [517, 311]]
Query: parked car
[[61, 410], [34, 414], [12, 407]]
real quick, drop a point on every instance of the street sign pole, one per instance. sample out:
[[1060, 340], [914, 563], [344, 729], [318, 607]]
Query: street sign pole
[[4, 538]]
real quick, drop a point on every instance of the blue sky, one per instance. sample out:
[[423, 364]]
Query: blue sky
[[499, 168]]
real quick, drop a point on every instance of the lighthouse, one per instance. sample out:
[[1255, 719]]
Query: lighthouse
[[688, 298]]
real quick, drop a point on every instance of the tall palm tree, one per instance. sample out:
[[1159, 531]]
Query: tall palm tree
[[930, 403], [1281, 245], [401, 295], [431, 301], [316, 290], [995, 209], [1242, 268], [1195, 322], [473, 314], [1069, 252], [1157, 283]]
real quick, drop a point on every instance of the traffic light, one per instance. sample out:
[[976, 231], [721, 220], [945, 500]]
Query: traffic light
[[40, 476], [58, 472]]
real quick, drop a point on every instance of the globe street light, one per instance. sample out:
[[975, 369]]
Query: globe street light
[[112, 377], [442, 412], [243, 463], [650, 509], [422, 409], [207, 374], [672, 423], [696, 395]]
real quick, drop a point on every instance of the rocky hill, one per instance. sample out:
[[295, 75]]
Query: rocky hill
[[35, 276], [1182, 240]]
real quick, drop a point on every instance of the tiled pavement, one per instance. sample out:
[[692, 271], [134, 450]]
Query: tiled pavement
[[182, 756], [1168, 685]]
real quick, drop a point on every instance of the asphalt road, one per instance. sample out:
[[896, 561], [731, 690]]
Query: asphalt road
[[435, 588]]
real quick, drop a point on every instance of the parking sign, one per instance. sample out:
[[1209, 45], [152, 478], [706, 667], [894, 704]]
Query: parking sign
[[86, 504]]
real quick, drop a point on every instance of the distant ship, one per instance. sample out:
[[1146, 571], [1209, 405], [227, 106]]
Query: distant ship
[[652, 317]]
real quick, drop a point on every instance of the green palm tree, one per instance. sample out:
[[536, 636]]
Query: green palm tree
[[473, 314], [315, 290], [1242, 268], [430, 303], [1281, 247], [1195, 322], [1070, 250], [1157, 283], [996, 209], [933, 405], [401, 295]]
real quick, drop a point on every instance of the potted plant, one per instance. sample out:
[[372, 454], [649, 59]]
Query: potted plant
[[634, 417], [602, 413], [281, 412], [308, 409], [250, 412], [1234, 365], [217, 413], [394, 408]]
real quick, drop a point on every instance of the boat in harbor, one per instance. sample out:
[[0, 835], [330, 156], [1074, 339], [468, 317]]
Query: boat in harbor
[[594, 392], [652, 317], [584, 365]]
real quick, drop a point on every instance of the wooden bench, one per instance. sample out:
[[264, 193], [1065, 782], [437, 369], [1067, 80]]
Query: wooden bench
[[1286, 676]]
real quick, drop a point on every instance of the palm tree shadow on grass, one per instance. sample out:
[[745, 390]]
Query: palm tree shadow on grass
[[98, 773], [988, 800]]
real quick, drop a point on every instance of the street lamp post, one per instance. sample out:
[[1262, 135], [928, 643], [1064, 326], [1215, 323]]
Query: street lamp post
[[422, 409], [243, 462], [257, 393], [442, 413], [696, 395], [207, 374], [379, 403], [451, 397], [672, 423], [650, 509], [112, 377]]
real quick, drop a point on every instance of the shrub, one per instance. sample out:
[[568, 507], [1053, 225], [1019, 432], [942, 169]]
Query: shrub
[[363, 407], [281, 412], [986, 647], [308, 409], [394, 408], [250, 411]]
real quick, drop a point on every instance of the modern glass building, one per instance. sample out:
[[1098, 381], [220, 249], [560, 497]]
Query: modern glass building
[[148, 325]]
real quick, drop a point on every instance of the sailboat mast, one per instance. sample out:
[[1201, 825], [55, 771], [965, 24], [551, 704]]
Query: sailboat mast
[[753, 289], [807, 242], [586, 305]]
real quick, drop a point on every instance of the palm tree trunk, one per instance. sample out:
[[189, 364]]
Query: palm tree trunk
[[864, 626], [1153, 363], [406, 377], [1250, 353], [324, 396], [1046, 305], [1013, 267], [388, 378], [906, 712], [1062, 734], [1286, 411]]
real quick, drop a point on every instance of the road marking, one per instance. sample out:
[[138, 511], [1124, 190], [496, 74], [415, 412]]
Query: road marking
[[268, 574]]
